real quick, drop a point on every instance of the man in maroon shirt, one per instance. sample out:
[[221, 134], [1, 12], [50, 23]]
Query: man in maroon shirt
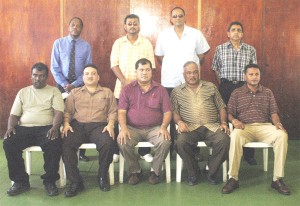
[[144, 115], [253, 111]]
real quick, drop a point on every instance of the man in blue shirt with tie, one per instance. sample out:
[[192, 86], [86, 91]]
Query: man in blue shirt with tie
[[61, 55], [69, 56]]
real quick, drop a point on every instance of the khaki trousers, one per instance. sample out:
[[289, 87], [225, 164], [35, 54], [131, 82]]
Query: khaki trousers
[[258, 132]]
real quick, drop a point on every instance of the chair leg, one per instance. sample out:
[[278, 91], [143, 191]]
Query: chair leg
[[28, 162], [225, 171], [178, 168], [62, 173], [121, 168], [265, 158], [111, 174], [168, 168]]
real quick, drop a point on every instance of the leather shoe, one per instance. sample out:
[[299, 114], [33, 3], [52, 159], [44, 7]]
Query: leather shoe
[[210, 178], [280, 187], [104, 184], [18, 188], [51, 188], [153, 179], [84, 158], [73, 189], [230, 185], [192, 180], [251, 161], [134, 178]]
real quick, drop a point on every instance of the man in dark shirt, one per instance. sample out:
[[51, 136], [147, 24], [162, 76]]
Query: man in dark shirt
[[144, 115], [253, 111]]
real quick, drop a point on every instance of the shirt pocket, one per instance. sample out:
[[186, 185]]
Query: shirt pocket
[[153, 103]]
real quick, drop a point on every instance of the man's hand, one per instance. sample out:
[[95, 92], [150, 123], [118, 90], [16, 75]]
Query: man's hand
[[110, 129], [164, 133], [123, 135], [69, 87], [279, 126], [53, 133], [238, 124], [65, 130], [9, 132], [224, 128], [182, 127]]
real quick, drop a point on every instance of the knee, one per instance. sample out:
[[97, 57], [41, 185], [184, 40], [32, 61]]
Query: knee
[[282, 136], [180, 142], [7, 145]]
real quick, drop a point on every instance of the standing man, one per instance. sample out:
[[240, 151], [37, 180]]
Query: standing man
[[199, 112], [174, 47], [144, 96], [34, 120], [229, 62], [90, 115], [253, 111], [69, 55], [125, 53]]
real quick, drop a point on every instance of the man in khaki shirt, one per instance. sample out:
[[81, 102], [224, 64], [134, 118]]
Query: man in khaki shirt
[[90, 115]]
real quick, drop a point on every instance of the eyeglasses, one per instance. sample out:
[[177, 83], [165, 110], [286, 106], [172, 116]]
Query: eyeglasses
[[179, 16]]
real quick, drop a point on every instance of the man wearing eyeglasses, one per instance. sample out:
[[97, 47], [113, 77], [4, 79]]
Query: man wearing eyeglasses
[[174, 47], [125, 52]]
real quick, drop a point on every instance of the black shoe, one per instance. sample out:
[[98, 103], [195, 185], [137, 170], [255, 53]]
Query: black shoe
[[251, 161], [18, 188], [73, 189], [192, 180], [51, 189], [104, 184], [210, 178], [84, 158]]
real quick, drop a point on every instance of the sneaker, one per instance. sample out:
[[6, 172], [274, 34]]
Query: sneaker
[[51, 189], [18, 188], [147, 157], [116, 158], [153, 179]]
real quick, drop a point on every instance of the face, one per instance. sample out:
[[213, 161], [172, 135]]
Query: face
[[75, 28], [144, 73], [178, 17], [39, 78], [191, 74], [252, 76], [235, 33], [132, 26], [90, 76]]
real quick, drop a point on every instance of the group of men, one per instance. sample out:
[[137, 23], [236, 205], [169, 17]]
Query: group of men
[[144, 109]]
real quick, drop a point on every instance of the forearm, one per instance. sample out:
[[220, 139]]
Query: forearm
[[122, 118], [13, 121], [119, 74], [57, 118], [223, 116], [166, 119], [275, 119]]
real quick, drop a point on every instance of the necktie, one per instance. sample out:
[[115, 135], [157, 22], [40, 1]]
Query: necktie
[[72, 75]]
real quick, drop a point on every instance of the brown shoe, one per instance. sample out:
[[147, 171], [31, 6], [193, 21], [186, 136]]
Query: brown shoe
[[280, 187], [134, 178], [230, 185], [153, 179]]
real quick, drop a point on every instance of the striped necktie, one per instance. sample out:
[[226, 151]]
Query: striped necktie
[[72, 75]]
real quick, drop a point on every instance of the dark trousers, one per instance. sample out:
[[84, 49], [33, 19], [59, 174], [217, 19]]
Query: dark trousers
[[32, 136], [226, 88], [87, 132], [172, 125], [187, 142]]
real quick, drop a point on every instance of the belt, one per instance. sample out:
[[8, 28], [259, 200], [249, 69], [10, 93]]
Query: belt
[[232, 82]]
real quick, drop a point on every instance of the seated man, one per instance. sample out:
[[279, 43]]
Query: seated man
[[144, 115], [90, 115], [199, 112], [252, 109], [34, 120]]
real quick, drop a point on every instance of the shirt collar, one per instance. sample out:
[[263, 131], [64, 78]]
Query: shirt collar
[[246, 89], [99, 88], [124, 39], [153, 84], [70, 38], [229, 45]]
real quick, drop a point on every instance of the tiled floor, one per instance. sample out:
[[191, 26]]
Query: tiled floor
[[254, 186]]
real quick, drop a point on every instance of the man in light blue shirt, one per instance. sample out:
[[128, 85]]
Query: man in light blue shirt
[[60, 61], [60, 58]]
